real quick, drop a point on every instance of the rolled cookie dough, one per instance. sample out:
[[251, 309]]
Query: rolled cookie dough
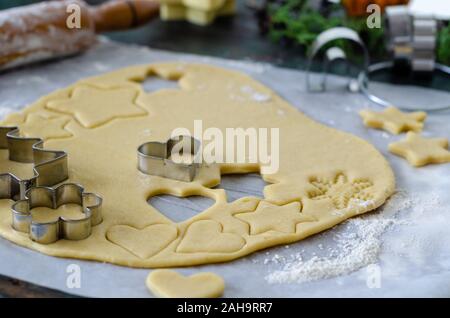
[[325, 175]]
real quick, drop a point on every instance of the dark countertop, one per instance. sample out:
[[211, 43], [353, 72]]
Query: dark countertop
[[10, 287]]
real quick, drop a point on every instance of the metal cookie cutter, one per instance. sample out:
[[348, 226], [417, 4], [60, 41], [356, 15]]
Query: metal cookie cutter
[[157, 158], [62, 228], [411, 39], [50, 166], [334, 53]]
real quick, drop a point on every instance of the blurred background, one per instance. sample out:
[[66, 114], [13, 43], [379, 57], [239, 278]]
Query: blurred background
[[234, 37], [279, 32]]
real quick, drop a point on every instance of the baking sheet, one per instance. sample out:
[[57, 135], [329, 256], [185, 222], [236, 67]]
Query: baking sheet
[[412, 255]]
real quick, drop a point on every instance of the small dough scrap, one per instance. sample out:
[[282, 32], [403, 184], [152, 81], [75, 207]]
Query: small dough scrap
[[270, 217], [93, 107], [393, 120], [143, 243], [207, 236], [420, 151], [165, 283], [195, 15]]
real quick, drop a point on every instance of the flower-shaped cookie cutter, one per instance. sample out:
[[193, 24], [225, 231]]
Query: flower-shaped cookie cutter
[[50, 166], [62, 228], [157, 158]]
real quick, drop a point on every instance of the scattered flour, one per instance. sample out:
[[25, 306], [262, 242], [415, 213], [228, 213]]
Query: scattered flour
[[29, 80], [357, 244], [101, 67], [280, 112], [255, 95], [146, 132], [249, 66], [5, 111]]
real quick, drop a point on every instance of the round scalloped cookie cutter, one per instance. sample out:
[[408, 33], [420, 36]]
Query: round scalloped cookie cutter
[[363, 85]]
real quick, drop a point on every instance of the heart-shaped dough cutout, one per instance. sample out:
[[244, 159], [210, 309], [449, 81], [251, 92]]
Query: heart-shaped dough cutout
[[206, 236], [166, 283], [143, 243]]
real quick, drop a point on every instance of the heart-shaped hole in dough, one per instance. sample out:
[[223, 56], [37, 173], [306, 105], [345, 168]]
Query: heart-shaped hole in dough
[[180, 209]]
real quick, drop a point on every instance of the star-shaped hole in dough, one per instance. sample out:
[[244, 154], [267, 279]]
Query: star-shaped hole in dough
[[393, 120], [271, 217], [93, 107], [420, 151], [45, 128]]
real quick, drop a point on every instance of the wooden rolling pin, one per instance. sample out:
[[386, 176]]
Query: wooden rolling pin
[[50, 29]]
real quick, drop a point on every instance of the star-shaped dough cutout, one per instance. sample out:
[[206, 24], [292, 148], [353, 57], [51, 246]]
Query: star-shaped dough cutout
[[93, 107], [420, 151], [271, 217], [45, 128], [393, 120]]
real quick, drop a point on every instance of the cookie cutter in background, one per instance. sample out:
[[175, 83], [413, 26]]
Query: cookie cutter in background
[[62, 228], [361, 83], [411, 41], [50, 166], [333, 54], [156, 158]]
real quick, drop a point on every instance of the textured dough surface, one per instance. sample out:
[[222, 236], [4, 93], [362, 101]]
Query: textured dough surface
[[165, 283], [325, 175]]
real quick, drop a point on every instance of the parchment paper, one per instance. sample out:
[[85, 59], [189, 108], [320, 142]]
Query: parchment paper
[[415, 254]]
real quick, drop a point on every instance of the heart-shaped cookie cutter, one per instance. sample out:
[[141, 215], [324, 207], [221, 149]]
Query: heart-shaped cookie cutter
[[50, 166], [156, 158], [62, 228]]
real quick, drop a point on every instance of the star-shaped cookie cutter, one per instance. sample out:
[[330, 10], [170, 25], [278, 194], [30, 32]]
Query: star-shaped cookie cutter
[[62, 228], [155, 158], [50, 166]]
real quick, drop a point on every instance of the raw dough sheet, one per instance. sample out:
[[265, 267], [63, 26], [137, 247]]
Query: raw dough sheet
[[414, 255]]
